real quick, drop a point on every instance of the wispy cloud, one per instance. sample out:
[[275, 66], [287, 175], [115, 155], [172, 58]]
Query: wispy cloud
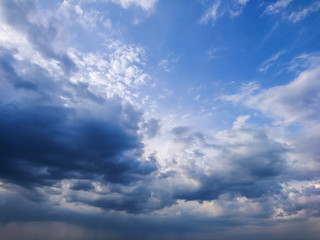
[[280, 7], [299, 15], [219, 9], [167, 64], [270, 61], [211, 14], [277, 7]]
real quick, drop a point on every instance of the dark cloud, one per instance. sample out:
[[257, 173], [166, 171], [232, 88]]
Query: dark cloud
[[35, 220], [43, 141], [82, 186]]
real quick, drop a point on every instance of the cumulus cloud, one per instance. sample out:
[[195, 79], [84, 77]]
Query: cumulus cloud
[[296, 102], [246, 162]]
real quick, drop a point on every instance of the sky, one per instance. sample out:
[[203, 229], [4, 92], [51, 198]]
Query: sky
[[159, 119]]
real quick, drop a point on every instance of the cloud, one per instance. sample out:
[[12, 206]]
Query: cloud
[[147, 5], [299, 15], [59, 136], [293, 103], [294, 109], [152, 128], [45, 143], [247, 162], [211, 13], [219, 9], [118, 71], [237, 7], [78, 158], [294, 16], [246, 90], [277, 6], [296, 102], [41, 37], [83, 186], [270, 61]]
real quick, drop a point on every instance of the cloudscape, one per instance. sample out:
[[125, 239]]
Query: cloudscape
[[159, 119]]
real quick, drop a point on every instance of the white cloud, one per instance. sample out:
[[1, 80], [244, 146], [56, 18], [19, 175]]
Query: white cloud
[[270, 61], [116, 70], [246, 91], [241, 122], [296, 102], [147, 5], [211, 14], [304, 61], [164, 65], [219, 9], [214, 53], [277, 6], [237, 7], [299, 15], [167, 64]]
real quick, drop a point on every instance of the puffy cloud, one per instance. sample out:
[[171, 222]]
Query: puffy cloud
[[247, 162], [296, 102]]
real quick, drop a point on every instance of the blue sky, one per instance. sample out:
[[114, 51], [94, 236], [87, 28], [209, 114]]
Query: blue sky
[[158, 119]]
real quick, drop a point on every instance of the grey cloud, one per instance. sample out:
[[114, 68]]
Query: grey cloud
[[152, 128], [43, 142], [34, 221], [254, 165], [82, 186], [186, 135]]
